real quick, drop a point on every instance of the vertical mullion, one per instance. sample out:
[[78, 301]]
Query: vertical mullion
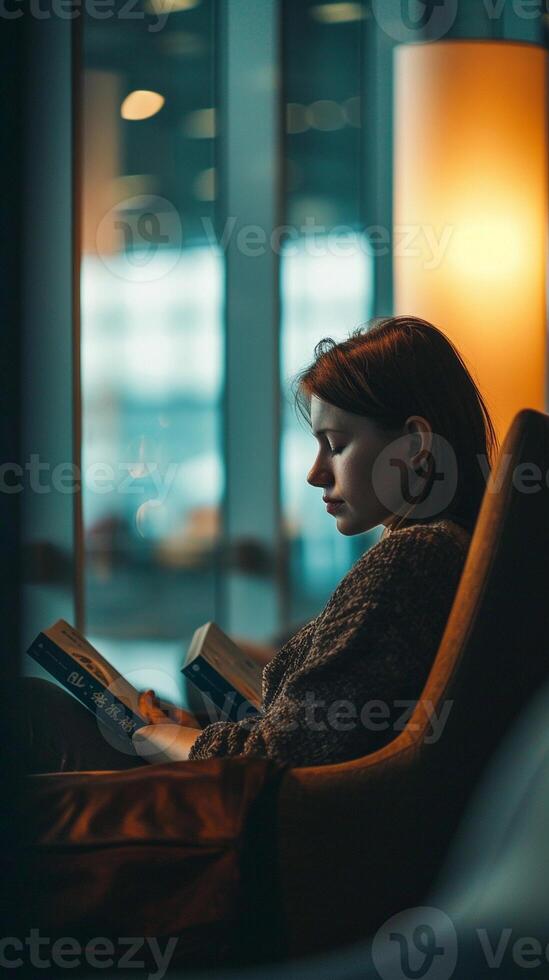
[[77, 177], [377, 194], [47, 330], [250, 163], [12, 805]]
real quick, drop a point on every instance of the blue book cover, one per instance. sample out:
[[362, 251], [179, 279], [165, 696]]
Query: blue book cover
[[80, 668], [224, 674]]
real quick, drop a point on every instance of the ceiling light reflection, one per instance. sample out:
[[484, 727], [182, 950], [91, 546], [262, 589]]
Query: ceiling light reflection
[[171, 6], [149, 518], [141, 104], [200, 124], [204, 186], [296, 118], [338, 13], [352, 111], [183, 44], [326, 115]]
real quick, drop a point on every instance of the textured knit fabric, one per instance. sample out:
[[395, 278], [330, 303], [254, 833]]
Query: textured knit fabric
[[334, 690]]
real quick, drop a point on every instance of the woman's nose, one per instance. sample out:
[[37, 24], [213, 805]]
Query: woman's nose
[[318, 475]]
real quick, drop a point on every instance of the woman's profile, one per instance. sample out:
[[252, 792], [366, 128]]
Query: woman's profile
[[404, 440]]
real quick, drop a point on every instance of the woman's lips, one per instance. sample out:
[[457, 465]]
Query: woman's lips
[[333, 507]]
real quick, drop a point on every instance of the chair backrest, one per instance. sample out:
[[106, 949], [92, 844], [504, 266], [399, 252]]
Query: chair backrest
[[360, 840], [494, 655]]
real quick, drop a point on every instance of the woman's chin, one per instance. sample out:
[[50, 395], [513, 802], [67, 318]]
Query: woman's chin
[[344, 524], [349, 526]]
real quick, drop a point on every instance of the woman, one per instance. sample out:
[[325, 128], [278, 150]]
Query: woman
[[402, 433]]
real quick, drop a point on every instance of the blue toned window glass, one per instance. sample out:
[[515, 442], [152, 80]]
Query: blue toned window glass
[[327, 284], [152, 282]]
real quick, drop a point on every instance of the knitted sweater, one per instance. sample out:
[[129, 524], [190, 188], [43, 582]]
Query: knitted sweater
[[335, 690]]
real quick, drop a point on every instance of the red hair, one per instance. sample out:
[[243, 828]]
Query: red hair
[[401, 366]]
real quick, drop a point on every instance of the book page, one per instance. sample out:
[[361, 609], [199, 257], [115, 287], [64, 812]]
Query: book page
[[233, 664]]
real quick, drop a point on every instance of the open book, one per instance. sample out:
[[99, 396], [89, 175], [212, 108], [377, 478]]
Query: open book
[[229, 680]]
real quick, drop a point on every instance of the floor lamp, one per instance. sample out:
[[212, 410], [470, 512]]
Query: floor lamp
[[470, 208]]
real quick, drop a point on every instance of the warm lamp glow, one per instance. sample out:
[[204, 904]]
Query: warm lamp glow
[[471, 173], [141, 104]]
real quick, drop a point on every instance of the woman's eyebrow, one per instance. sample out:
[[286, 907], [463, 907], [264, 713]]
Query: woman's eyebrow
[[319, 432]]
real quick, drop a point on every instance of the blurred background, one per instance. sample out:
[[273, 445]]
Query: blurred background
[[195, 193], [194, 500], [210, 188], [153, 326]]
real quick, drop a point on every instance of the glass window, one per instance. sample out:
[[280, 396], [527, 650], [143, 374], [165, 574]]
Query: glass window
[[152, 313], [326, 267], [151, 336]]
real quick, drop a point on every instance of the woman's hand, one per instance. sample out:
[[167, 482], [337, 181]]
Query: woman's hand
[[164, 743], [157, 712]]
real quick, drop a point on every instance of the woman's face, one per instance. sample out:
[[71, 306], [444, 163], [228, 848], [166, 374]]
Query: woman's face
[[348, 447]]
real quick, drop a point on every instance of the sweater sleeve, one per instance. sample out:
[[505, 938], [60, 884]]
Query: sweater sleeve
[[370, 650]]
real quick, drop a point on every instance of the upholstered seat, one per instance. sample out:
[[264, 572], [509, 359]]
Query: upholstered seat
[[188, 849]]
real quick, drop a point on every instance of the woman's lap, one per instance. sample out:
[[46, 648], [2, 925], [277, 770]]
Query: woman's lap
[[60, 735]]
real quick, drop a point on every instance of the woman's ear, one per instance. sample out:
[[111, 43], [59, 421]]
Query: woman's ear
[[421, 438]]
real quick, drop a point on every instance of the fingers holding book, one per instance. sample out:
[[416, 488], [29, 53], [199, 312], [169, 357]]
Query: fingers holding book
[[158, 712]]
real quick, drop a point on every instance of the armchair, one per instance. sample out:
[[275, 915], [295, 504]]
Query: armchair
[[359, 841], [241, 859]]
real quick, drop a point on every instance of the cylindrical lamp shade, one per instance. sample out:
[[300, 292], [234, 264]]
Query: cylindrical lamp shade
[[470, 209]]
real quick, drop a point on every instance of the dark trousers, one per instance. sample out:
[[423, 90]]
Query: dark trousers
[[58, 734]]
